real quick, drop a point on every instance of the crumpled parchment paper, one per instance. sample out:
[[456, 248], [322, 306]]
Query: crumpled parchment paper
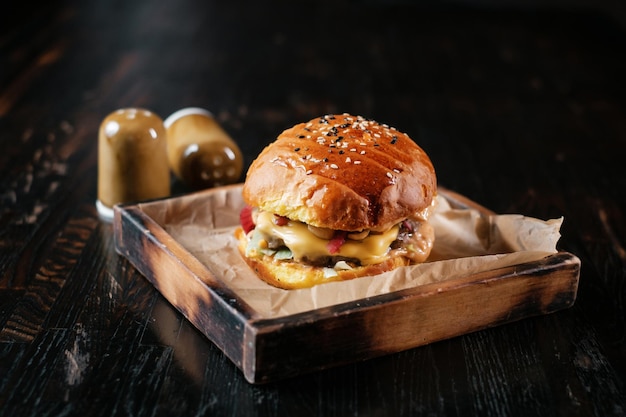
[[466, 241]]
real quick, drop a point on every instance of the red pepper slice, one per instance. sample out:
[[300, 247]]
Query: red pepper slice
[[280, 220], [338, 239], [245, 219]]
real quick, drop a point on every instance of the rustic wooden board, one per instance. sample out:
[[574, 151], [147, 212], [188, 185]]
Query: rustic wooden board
[[268, 349]]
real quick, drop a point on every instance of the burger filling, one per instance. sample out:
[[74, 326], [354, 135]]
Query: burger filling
[[286, 239]]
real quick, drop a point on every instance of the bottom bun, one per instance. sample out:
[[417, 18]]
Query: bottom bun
[[291, 275]]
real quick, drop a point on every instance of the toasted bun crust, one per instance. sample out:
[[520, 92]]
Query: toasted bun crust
[[293, 275], [342, 172]]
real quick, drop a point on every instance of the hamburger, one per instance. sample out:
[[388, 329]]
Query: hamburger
[[336, 198]]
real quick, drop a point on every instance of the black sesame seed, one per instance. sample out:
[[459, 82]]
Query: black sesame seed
[[325, 159], [341, 152], [301, 136], [296, 149], [394, 139]]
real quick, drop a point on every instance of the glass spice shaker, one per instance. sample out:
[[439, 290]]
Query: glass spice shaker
[[132, 159], [200, 153]]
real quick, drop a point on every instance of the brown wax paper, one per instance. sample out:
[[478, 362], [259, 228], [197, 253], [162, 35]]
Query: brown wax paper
[[466, 241]]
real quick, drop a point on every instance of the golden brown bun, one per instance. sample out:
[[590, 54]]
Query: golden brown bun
[[291, 275], [342, 172]]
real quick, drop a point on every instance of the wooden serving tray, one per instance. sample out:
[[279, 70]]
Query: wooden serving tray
[[268, 349]]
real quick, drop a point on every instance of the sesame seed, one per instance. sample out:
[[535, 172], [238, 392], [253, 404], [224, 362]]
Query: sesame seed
[[296, 149], [352, 149], [348, 160], [309, 172], [389, 175], [334, 166], [357, 162], [362, 152]]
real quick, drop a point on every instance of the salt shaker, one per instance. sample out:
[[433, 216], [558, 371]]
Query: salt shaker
[[200, 153], [132, 159]]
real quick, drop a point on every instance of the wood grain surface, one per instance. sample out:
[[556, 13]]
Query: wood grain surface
[[520, 108]]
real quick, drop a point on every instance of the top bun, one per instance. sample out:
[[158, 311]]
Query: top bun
[[342, 172]]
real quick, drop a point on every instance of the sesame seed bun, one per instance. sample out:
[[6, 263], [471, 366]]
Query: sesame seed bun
[[342, 172]]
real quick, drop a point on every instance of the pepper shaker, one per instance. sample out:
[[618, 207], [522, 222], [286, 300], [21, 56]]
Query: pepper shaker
[[200, 153], [132, 159]]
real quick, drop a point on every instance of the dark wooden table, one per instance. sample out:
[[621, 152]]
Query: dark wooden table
[[521, 110]]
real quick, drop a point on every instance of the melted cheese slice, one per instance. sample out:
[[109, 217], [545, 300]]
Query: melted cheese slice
[[304, 244]]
